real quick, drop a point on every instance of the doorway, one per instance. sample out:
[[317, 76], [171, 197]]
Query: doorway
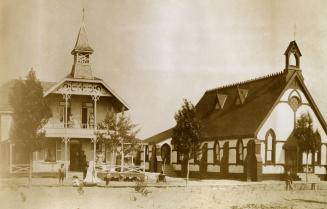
[[75, 156], [165, 154]]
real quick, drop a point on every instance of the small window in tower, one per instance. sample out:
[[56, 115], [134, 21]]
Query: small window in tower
[[292, 60]]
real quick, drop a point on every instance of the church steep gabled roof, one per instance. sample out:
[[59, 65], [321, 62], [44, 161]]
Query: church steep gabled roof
[[82, 43], [240, 119]]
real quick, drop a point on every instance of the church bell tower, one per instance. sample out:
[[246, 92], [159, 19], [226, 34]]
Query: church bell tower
[[82, 52]]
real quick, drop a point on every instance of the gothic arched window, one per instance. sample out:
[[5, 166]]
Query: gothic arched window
[[270, 146], [216, 156], [146, 153], [239, 152]]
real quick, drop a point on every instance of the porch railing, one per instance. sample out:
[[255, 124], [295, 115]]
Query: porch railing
[[19, 168]]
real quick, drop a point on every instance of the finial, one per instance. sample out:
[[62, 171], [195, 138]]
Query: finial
[[83, 11], [294, 31]]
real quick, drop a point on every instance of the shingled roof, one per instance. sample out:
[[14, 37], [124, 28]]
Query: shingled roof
[[5, 90], [159, 137], [235, 120]]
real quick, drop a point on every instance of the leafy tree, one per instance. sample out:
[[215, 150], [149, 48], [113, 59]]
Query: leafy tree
[[187, 134], [115, 131], [30, 114], [308, 139]]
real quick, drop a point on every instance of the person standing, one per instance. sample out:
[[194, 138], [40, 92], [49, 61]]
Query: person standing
[[61, 174]]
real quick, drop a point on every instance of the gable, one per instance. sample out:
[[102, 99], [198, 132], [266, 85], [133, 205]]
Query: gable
[[282, 118]]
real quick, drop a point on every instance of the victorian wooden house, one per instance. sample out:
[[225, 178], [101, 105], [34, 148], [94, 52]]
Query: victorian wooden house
[[78, 102], [248, 128]]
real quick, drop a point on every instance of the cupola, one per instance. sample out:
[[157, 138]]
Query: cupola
[[82, 51]]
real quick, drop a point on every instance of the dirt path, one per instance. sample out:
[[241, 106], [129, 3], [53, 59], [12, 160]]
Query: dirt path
[[161, 198]]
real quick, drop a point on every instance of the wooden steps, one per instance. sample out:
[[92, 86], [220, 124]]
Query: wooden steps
[[169, 171]]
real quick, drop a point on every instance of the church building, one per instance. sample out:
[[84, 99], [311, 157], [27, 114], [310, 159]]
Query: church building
[[248, 129], [78, 102]]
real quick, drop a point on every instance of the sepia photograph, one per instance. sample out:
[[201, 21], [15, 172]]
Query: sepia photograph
[[160, 104]]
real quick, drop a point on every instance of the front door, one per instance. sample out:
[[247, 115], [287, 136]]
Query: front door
[[75, 156], [165, 154], [293, 160]]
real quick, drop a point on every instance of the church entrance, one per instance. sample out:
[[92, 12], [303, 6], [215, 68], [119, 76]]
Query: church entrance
[[224, 160], [293, 156], [165, 154], [75, 156], [293, 160], [251, 162]]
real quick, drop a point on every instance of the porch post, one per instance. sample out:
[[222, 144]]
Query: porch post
[[66, 97], [95, 98], [10, 157], [66, 140], [144, 158]]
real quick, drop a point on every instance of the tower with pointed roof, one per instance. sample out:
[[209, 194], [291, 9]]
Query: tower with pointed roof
[[82, 51]]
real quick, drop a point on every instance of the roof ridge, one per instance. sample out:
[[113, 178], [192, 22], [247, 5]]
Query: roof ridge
[[246, 81]]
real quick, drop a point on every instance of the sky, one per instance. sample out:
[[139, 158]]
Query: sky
[[155, 53]]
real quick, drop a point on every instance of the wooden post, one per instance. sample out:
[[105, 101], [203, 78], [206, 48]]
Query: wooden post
[[10, 157], [95, 99], [122, 157], [66, 140], [144, 158]]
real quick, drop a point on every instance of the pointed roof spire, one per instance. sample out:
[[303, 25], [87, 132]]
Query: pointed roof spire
[[82, 43]]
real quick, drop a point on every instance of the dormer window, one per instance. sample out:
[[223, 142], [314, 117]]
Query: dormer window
[[220, 101], [242, 94]]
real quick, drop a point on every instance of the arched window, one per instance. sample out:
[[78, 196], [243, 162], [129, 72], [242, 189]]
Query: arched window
[[239, 152], [216, 153], [270, 146]]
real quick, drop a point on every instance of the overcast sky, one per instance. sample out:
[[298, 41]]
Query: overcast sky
[[155, 53]]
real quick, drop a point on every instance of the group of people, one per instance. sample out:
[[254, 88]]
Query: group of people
[[79, 164]]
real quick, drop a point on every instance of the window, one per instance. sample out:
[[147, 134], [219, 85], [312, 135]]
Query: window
[[239, 152], [87, 115], [146, 153], [62, 111], [216, 155], [294, 102], [50, 151], [58, 154], [317, 156], [270, 147]]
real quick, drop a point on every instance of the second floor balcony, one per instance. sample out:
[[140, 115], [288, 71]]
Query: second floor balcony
[[72, 129]]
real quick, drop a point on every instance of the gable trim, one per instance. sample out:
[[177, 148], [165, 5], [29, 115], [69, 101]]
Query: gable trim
[[91, 81], [310, 100]]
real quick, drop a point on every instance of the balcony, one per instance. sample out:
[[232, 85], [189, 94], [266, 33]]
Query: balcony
[[75, 129]]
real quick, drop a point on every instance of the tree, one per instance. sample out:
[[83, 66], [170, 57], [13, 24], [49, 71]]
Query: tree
[[308, 139], [187, 134], [117, 130], [30, 114]]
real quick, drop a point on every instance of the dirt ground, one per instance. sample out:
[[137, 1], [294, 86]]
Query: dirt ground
[[158, 198]]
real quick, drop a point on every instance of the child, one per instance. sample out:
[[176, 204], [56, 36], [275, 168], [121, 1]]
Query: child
[[76, 182], [289, 182], [61, 173]]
